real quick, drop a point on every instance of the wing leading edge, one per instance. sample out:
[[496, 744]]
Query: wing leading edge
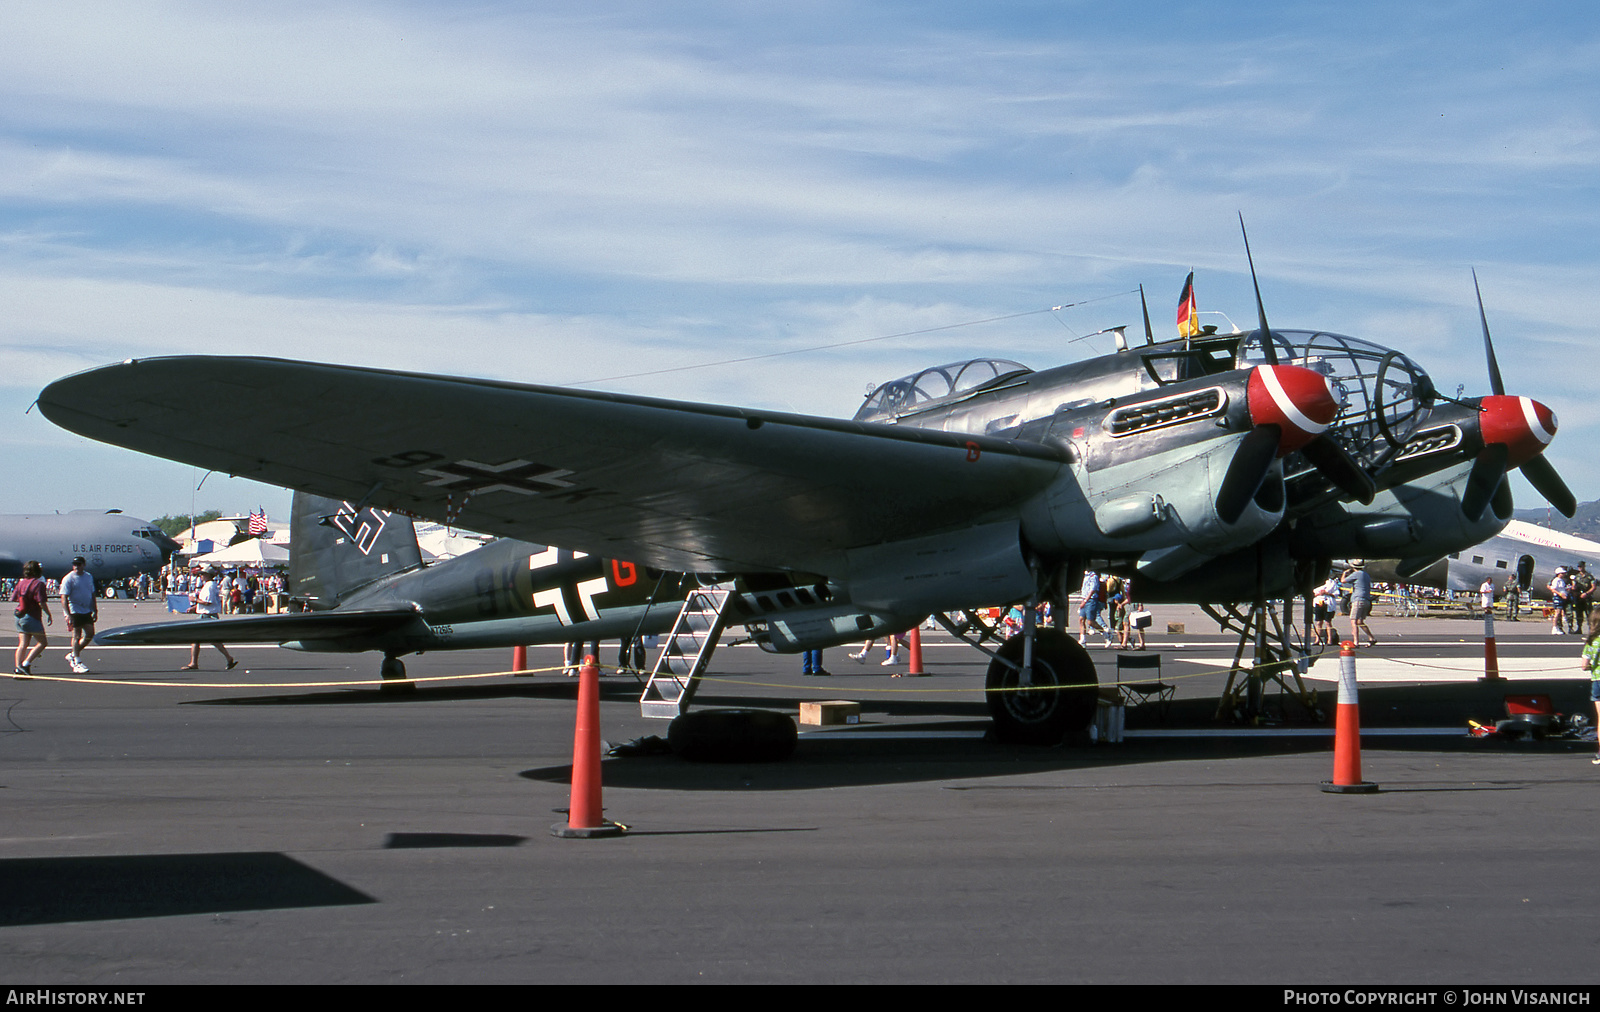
[[262, 629], [674, 484]]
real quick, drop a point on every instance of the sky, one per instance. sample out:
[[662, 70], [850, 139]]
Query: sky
[[603, 193]]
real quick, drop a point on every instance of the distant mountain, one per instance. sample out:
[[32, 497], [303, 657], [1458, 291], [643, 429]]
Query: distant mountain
[[1585, 524]]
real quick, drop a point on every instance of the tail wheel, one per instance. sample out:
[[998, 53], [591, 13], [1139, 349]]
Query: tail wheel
[[1062, 695], [393, 671]]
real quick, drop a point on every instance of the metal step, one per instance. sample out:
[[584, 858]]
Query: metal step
[[686, 652]]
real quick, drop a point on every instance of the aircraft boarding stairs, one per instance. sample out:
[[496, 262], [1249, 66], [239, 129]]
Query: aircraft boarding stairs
[[686, 652]]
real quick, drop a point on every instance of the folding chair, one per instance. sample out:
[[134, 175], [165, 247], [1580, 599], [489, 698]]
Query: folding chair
[[1160, 691]]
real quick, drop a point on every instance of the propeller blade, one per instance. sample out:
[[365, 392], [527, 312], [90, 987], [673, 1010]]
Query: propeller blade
[[1541, 474], [1496, 384], [1338, 466], [1488, 471], [1502, 503], [1247, 470], [1261, 310]]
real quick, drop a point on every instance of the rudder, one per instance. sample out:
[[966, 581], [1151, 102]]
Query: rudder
[[335, 550]]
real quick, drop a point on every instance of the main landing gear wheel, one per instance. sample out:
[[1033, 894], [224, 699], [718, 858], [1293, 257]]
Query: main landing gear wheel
[[1061, 699], [393, 670]]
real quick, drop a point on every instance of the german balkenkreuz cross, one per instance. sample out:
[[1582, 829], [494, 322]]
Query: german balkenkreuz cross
[[523, 477]]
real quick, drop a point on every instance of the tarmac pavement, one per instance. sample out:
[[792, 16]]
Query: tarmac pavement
[[202, 832]]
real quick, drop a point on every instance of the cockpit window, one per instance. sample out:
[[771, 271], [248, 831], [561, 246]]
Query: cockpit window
[[1384, 396], [930, 386]]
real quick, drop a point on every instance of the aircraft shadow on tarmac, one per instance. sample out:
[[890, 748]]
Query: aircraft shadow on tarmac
[[54, 890], [425, 841], [861, 760], [856, 759]]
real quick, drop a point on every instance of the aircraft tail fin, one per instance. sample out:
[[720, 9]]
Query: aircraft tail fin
[[336, 550]]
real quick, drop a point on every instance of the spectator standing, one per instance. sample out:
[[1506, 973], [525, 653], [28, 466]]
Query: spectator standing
[[812, 664], [1582, 595], [81, 605], [1591, 663], [1558, 588], [1324, 600], [33, 604], [1360, 601]]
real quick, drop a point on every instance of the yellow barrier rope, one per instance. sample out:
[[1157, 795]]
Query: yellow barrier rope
[[147, 683], [722, 679]]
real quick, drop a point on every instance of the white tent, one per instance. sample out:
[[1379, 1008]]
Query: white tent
[[254, 552], [438, 542]]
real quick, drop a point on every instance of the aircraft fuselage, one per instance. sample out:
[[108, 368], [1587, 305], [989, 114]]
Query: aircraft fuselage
[[114, 546], [510, 592]]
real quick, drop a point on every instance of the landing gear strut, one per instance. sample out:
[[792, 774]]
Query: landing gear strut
[[1037, 699], [1273, 659], [1055, 698]]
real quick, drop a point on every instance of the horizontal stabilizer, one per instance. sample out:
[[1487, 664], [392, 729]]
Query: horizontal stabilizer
[[311, 625]]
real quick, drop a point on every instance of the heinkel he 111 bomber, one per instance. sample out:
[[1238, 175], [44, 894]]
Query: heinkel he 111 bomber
[[1216, 467]]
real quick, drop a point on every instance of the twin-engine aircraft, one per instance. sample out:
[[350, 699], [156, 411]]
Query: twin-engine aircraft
[[1211, 468]]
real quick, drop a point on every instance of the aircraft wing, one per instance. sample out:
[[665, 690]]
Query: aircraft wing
[[311, 625], [678, 485]]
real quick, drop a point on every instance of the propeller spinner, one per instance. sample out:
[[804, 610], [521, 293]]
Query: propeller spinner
[[1287, 387], [1290, 408]]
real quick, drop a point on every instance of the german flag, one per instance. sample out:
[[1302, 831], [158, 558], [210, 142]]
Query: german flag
[[1188, 315]]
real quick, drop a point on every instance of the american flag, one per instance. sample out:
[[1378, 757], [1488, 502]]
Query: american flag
[[258, 523]]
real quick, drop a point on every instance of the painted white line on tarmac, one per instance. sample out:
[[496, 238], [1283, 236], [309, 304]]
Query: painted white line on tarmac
[[898, 735], [1198, 732], [1298, 732], [1370, 668]]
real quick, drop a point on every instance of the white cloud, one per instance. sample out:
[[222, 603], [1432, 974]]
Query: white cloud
[[536, 194]]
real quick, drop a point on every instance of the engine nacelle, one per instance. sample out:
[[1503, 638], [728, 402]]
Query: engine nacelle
[[891, 587], [797, 629], [1158, 503], [1418, 521]]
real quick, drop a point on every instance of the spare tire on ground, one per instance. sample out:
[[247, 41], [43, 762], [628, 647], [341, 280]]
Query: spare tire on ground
[[733, 736]]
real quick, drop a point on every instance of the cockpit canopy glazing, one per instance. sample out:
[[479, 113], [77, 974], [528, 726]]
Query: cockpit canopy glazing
[[940, 384], [1384, 395]]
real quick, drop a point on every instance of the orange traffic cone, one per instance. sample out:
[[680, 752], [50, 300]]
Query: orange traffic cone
[[519, 660], [584, 816], [1491, 657], [1347, 731]]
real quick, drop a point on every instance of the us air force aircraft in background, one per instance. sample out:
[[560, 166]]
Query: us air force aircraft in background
[[1527, 551], [1212, 468], [113, 545], [359, 573]]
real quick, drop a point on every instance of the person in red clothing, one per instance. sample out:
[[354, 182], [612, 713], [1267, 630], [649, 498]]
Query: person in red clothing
[[33, 610]]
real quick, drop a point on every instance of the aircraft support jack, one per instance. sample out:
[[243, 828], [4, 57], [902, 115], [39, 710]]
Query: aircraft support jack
[[1273, 659]]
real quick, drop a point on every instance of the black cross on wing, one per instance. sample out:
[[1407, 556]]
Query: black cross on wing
[[523, 477]]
